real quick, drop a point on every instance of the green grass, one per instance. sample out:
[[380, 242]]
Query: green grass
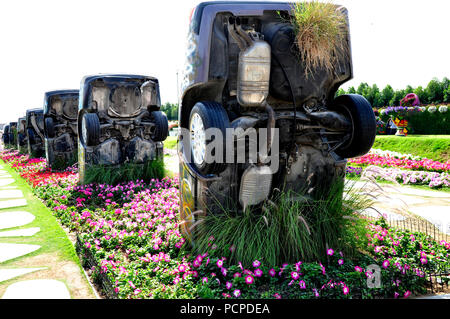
[[289, 231], [171, 142], [51, 237], [126, 172], [435, 147]]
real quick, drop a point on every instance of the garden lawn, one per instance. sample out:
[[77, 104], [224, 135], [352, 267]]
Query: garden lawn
[[56, 253], [435, 147], [171, 142]]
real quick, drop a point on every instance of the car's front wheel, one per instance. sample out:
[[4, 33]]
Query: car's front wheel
[[209, 159]]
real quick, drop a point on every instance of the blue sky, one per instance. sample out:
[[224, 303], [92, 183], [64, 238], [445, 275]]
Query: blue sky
[[52, 44]]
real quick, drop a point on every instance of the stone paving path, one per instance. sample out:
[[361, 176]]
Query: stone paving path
[[39, 285]]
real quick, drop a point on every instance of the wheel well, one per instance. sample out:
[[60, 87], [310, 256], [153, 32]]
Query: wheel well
[[209, 91]]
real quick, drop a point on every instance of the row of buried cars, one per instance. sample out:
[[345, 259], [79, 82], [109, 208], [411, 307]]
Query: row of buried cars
[[113, 119]]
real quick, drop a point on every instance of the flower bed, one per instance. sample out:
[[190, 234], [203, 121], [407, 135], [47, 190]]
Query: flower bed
[[388, 161], [132, 231]]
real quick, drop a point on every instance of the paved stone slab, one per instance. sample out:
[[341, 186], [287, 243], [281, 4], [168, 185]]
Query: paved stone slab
[[437, 215], [6, 274], [6, 181], [11, 193], [15, 219], [405, 190], [8, 187], [12, 203], [37, 289], [11, 251], [401, 199], [27, 232]]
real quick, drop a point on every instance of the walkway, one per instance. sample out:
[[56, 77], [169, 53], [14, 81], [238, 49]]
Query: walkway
[[37, 260]]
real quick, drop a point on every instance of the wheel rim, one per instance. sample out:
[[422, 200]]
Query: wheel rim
[[198, 142], [84, 132]]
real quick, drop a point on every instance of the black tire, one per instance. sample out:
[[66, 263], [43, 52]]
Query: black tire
[[161, 126], [90, 129], [49, 127], [364, 126], [213, 115]]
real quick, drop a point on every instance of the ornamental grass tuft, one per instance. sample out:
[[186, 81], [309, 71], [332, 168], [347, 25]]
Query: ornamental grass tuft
[[126, 172], [295, 227], [321, 34]]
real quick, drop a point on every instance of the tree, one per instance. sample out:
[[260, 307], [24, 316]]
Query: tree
[[171, 111], [362, 88], [340, 92], [351, 90], [422, 94], [386, 95], [434, 91]]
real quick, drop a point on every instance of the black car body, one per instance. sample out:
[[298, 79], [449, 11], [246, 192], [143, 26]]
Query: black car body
[[12, 135], [22, 139], [119, 121], [60, 128], [35, 132], [229, 43], [5, 136]]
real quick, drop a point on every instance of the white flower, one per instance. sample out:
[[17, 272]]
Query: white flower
[[422, 108], [432, 109], [443, 109], [382, 111]]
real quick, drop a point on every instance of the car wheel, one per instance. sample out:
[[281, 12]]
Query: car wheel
[[364, 126], [161, 129], [90, 129], [49, 127], [206, 115]]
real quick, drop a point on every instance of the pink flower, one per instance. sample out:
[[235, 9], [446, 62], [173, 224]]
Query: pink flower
[[228, 285], [396, 294], [345, 290], [272, 272], [386, 264], [423, 261], [256, 263], [236, 293], [330, 252], [237, 274], [220, 263], [258, 272], [249, 280], [277, 296], [302, 284], [295, 275], [341, 262], [358, 269], [407, 294], [204, 280]]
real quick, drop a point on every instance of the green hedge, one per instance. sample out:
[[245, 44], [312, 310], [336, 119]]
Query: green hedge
[[430, 123]]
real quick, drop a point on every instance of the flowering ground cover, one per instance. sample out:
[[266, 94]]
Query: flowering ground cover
[[406, 169], [133, 231], [402, 163]]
